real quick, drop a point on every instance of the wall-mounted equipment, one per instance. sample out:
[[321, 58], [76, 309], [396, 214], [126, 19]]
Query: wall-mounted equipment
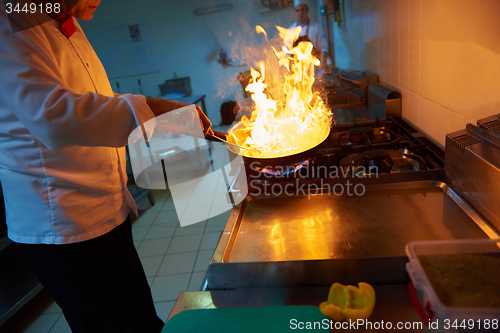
[[223, 58]]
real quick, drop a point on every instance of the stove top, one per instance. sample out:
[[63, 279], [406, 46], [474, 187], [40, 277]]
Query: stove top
[[361, 149]]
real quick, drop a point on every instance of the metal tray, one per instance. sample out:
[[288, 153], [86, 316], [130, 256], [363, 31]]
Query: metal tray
[[316, 240]]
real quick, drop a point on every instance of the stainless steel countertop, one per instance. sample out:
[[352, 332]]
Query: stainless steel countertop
[[377, 224], [301, 241]]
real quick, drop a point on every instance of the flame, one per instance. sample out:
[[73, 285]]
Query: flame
[[261, 30], [298, 121], [283, 171]]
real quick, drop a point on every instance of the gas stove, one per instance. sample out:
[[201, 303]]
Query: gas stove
[[347, 212], [358, 150]]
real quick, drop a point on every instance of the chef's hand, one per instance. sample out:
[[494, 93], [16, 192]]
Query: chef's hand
[[161, 106]]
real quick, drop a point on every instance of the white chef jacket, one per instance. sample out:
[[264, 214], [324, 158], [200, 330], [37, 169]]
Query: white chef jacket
[[62, 137], [316, 36]]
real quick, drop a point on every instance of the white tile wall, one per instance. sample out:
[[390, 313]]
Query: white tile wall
[[413, 108], [404, 40], [394, 34], [443, 55], [426, 115], [456, 121], [442, 123]]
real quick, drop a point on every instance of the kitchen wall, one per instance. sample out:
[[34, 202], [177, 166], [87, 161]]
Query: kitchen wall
[[443, 55], [184, 42]]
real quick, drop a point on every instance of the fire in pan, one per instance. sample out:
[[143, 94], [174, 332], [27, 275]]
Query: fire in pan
[[269, 162]]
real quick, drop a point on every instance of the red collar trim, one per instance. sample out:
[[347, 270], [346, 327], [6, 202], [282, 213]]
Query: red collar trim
[[67, 23], [68, 27]]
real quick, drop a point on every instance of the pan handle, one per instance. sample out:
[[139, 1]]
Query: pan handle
[[217, 137], [221, 137]]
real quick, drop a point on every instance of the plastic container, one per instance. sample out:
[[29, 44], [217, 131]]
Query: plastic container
[[425, 299]]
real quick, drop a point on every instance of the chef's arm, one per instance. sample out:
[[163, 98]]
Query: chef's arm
[[57, 117], [160, 106], [32, 87]]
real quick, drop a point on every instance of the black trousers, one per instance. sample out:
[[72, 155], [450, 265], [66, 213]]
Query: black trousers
[[99, 284]]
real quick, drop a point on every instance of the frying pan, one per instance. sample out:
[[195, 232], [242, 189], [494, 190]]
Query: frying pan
[[268, 161]]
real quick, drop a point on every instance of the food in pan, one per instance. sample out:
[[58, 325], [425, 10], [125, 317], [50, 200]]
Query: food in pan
[[349, 302], [464, 280]]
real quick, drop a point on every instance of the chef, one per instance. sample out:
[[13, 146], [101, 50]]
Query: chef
[[310, 31], [62, 169]]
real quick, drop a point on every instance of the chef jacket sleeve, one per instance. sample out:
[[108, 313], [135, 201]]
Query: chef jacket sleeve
[[33, 88]]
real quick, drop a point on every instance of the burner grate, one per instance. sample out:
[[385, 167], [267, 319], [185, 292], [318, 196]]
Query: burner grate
[[403, 152], [493, 125]]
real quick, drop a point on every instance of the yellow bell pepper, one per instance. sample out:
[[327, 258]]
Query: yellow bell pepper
[[349, 302]]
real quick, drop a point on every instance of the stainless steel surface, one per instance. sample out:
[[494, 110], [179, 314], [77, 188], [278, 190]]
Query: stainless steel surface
[[307, 273], [283, 241], [356, 114], [354, 79], [393, 108], [485, 226], [328, 226], [473, 168], [383, 103], [393, 302], [344, 89]]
